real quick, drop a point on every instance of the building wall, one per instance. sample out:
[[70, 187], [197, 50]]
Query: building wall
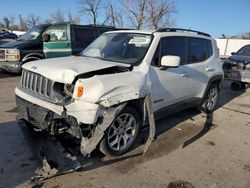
[[227, 46]]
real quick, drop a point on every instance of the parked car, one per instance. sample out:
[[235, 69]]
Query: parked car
[[8, 36], [237, 68], [60, 39], [99, 97], [66, 39], [28, 47]]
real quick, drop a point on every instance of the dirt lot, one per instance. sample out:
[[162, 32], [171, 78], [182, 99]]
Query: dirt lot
[[205, 151]]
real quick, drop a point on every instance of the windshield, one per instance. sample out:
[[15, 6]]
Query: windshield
[[244, 51], [32, 34], [120, 47]]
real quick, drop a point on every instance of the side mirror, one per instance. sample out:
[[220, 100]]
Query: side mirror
[[170, 61], [233, 53], [46, 37]]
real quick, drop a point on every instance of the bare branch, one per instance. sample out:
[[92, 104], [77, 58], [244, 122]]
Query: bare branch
[[114, 16], [161, 12], [91, 7], [150, 13], [57, 16], [33, 20], [23, 26]]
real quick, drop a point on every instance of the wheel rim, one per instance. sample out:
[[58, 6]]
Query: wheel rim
[[122, 132], [212, 98]]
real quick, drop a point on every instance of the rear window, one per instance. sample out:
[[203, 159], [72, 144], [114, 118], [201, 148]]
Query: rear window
[[199, 50]]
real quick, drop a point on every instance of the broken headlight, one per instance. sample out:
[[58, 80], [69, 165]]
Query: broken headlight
[[63, 92], [68, 89]]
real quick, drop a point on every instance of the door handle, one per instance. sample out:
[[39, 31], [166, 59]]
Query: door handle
[[184, 74], [210, 69]]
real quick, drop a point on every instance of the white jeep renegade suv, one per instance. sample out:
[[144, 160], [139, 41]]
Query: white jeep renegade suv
[[98, 97]]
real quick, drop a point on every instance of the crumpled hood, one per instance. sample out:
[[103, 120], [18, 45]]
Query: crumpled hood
[[65, 69]]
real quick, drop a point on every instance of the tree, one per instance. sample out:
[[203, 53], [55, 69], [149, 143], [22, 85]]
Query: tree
[[91, 7], [22, 25], [73, 19], [8, 22], [113, 16], [57, 16], [245, 35], [33, 20], [150, 13], [161, 12], [137, 10]]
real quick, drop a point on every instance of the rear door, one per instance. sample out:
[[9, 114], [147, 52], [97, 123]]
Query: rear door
[[199, 57], [59, 44]]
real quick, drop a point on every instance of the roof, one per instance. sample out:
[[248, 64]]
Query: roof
[[184, 32]]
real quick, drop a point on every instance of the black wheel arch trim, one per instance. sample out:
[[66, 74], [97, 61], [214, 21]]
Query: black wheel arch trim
[[216, 78], [33, 56]]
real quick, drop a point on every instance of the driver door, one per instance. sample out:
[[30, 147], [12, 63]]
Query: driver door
[[169, 85], [59, 44]]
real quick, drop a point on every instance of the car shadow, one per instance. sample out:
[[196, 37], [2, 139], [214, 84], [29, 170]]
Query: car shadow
[[227, 94], [4, 74], [20, 156], [173, 132], [18, 160]]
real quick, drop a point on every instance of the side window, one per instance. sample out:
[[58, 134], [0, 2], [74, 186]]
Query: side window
[[58, 33], [210, 48], [176, 46], [199, 50]]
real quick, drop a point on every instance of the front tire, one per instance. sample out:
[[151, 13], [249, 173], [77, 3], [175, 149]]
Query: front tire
[[210, 100], [122, 133]]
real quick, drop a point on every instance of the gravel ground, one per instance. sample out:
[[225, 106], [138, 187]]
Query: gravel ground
[[191, 148]]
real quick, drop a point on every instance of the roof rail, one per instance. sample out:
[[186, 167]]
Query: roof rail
[[180, 29]]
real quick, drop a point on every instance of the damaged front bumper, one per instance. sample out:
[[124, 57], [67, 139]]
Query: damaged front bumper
[[83, 112]]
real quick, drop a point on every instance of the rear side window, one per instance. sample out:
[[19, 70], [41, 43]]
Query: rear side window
[[176, 46], [85, 36], [199, 50]]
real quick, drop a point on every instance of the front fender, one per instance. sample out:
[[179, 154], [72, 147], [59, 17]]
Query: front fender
[[122, 94]]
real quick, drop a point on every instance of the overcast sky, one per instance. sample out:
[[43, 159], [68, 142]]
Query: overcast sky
[[229, 17]]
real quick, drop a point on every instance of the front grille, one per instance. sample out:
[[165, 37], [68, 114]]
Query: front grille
[[2, 55], [37, 84]]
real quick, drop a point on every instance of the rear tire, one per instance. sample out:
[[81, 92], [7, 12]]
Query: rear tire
[[243, 85], [210, 100], [122, 133], [236, 86]]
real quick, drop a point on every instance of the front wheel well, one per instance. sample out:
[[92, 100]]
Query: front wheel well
[[217, 82], [32, 57], [139, 106]]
